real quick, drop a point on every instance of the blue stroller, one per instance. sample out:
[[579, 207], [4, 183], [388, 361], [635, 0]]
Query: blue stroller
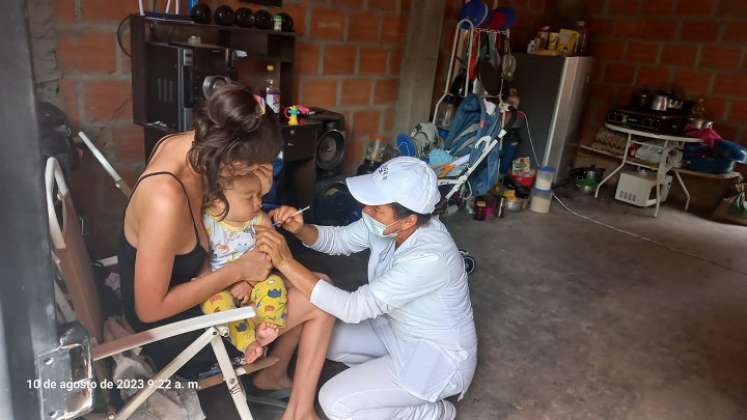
[[475, 141]]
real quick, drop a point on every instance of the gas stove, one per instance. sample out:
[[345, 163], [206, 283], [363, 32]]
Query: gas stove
[[662, 122]]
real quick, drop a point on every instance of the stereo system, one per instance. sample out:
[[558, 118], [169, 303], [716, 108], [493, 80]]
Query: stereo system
[[330, 144], [179, 78]]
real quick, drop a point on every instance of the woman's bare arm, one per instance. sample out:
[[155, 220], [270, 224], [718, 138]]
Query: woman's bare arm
[[159, 240]]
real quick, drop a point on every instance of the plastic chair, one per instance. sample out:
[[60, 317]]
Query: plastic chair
[[74, 263]]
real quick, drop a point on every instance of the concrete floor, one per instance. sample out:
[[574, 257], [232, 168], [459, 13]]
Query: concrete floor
[[577, 321]]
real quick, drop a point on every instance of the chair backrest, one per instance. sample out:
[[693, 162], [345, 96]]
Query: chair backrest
[[70, 253]]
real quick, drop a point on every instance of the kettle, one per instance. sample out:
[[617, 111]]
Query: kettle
[[660, 102]]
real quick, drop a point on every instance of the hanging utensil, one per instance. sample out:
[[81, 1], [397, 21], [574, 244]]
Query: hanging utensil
[[508, 66]]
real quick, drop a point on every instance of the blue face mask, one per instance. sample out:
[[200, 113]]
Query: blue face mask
[[377, 228]]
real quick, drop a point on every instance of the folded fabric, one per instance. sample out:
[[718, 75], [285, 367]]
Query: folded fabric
[[708, 135], [439, 157]]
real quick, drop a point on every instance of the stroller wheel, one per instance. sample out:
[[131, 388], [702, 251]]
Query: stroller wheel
[[470, 263]]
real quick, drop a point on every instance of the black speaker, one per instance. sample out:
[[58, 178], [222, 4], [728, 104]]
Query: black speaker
[[331, 141]]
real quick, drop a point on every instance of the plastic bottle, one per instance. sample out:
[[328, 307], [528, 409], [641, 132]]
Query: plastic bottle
[[272, 94], [480, 208], [583, 38], [543, 37], [532, 47]]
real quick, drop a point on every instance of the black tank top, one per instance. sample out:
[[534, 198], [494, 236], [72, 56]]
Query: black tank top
[[186, 267]]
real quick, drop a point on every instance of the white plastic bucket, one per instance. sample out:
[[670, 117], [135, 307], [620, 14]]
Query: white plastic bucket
[[545, 175], [540, 200]]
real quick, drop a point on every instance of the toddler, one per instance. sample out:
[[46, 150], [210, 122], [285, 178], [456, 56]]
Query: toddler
[[231, 235]]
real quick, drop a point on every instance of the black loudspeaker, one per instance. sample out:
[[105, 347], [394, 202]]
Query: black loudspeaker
[[330, 149]]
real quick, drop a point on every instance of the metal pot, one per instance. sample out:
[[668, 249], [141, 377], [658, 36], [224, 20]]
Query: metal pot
[[642, 99], [514, 204], [660, 102], [700, 123], [590, 172], [588, 178], [674, 102]]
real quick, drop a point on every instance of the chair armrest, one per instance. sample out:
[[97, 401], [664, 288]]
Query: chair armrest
[[129, 342]]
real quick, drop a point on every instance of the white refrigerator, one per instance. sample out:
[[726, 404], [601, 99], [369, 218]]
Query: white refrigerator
[[552, 92]]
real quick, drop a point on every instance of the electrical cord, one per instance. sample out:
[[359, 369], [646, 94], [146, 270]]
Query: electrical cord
[[119, 36], [529, 134], [647, 239], [627, 232]]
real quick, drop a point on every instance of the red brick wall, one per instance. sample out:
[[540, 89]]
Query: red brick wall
[[95, 93], [95, 85], [696, 46], [348, 59]]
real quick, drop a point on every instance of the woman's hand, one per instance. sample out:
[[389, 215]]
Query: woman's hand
[[274, 245], [264, 173], [289, 221], [254, 266], [241, 291]]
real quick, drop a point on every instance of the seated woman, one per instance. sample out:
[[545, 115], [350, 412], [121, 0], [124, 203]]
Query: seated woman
[[408, 335], [163, 257]]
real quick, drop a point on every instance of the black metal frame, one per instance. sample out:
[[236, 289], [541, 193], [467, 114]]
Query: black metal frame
[[27, 320]]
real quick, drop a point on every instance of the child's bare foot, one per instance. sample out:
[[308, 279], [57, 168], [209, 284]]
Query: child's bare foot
[[253, 352], [266, 333]]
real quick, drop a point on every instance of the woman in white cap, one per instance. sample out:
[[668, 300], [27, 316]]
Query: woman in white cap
[[408, 335]]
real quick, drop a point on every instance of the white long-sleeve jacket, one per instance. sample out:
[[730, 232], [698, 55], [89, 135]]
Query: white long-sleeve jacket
[[418, 298]]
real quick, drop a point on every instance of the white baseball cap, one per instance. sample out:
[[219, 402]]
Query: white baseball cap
[[404, 180]]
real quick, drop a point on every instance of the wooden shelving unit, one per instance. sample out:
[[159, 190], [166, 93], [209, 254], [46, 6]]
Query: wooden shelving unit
[[261, 47]]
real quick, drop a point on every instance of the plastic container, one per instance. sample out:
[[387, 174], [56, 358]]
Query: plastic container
[[583, 38], [543, 35], [514, 204], [480, 209], [545, 175], [476, 11], [524, 178], [540, 201], [272, 93]]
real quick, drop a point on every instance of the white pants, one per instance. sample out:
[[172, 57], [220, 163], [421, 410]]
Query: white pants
[[368, 390]]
